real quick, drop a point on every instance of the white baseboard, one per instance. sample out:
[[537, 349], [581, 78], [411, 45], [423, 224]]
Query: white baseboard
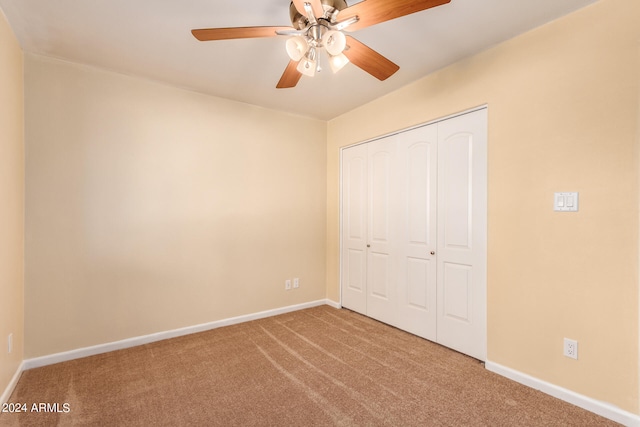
[[333, 303], [601, 408], [12, 384], [145, 339]]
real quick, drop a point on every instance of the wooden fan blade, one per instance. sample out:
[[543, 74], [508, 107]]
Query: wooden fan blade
[[299, 4], [207, 34], [316, 5], [290, 77], [373, 12], [369, 60]]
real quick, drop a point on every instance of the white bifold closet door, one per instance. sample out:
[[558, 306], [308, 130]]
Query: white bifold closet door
[[414, 231]]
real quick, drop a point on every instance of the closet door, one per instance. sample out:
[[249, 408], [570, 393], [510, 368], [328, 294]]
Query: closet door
[[462, 233], [354, 228], [414, 230], [382, 221], [369, 229], [417, 227]]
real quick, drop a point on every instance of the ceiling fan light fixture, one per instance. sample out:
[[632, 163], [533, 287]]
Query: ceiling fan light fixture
[[334, 42], [317, 25], [337, 62], [297, 47]]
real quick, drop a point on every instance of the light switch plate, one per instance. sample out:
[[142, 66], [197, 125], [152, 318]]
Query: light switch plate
[[565, 202]]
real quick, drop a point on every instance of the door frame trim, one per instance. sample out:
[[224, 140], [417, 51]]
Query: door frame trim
[[420, 125]]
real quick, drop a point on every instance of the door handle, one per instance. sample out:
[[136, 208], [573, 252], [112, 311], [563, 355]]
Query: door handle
[[433, 252], [368, 245]]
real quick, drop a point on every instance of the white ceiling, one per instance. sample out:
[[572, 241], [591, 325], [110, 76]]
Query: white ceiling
[[152, 39]]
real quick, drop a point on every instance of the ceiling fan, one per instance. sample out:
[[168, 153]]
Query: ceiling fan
[[318, 25]]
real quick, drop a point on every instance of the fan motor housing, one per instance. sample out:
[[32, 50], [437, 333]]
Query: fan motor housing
[[299, 21]]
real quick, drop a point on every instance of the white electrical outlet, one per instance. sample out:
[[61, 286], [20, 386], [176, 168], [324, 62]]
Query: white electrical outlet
[[571, 348], [9, 343], [296, 283], [287, 284]]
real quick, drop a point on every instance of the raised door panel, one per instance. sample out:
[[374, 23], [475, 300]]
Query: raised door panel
[[354, 228], [457, 292], [457, 191]]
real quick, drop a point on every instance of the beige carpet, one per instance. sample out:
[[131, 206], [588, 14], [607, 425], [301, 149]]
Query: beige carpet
[[319, 366]]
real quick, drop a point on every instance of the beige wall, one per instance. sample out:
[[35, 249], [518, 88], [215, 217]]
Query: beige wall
[[11, 202], [151, 208], [563, 116]]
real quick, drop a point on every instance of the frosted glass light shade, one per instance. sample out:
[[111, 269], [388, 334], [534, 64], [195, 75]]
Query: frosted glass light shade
[[337, 62], [296, 47], [334, 42], [307, 67]]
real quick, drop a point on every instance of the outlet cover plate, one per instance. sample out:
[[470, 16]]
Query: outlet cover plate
[[571, 348]]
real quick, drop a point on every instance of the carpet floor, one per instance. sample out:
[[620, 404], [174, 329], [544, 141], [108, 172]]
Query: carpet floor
[[314, 367]]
